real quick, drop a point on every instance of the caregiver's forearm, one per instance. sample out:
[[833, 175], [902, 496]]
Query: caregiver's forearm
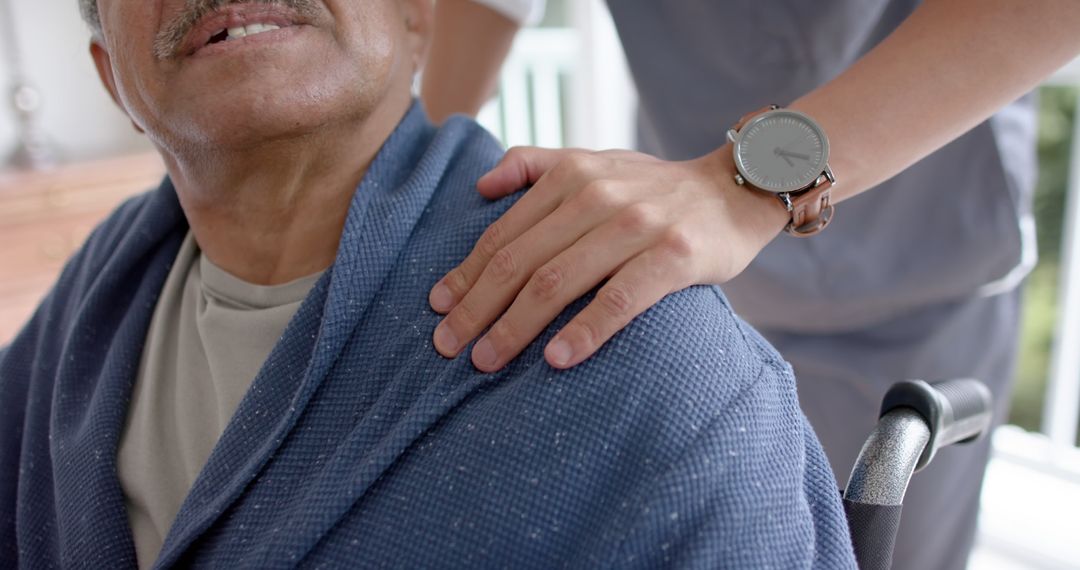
[[948, 67], [468, 48]]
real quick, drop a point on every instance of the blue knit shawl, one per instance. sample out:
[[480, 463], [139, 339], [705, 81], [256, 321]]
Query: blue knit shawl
[[680, 444]]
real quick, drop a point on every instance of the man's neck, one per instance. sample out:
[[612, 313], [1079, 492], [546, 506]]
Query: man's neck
[[274, 213]]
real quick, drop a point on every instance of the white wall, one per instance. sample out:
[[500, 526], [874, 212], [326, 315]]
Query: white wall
[[604, 98], [77, 114]]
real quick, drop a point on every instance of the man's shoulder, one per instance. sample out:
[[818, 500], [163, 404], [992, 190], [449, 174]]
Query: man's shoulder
[[118, 243], [143, 218], [691, 342], [689, 355], [472, 151], [103, 241]]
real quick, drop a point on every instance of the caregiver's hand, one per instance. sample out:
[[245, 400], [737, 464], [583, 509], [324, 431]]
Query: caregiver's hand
[[652, 227]]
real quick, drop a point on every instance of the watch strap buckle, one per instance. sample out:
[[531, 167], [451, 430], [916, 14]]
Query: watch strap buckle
[[811, 210], [812, 227]]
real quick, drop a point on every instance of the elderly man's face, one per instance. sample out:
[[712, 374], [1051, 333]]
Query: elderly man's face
[[193, 73]]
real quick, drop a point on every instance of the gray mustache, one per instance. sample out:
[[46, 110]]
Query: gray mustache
[[170, 40]]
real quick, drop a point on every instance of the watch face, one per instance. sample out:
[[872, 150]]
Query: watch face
[[781, 151]]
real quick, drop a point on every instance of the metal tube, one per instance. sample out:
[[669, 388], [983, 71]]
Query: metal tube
[[888, 459]]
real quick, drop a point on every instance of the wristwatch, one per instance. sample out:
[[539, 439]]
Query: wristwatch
[[786, 153]]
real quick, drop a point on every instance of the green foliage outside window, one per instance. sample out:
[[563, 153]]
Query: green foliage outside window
[[1056, 115]]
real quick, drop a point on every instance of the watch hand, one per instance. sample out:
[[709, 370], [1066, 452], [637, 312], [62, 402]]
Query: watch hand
[[782, 154], [792, 154]]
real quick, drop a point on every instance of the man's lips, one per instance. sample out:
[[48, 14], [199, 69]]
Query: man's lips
[[223, 25]]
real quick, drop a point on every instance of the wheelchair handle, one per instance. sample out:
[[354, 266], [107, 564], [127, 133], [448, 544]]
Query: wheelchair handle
[[916, 420], [956, 411]]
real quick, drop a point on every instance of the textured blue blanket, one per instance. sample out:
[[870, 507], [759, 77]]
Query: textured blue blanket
[[679, 444]]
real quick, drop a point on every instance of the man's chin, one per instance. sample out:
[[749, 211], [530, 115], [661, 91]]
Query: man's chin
[[257, 110], [236, 127]]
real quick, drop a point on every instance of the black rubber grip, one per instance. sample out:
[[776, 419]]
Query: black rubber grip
[[957, 411]]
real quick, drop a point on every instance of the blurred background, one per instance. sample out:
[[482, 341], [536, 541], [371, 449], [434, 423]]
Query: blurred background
[[68, 157]]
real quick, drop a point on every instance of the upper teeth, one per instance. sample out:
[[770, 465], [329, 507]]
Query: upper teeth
[[250, 30]]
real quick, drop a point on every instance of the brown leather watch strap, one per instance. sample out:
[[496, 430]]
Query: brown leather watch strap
[[812, 209]]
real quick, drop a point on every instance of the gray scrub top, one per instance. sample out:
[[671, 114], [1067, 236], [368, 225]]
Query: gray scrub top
[[955, 225]]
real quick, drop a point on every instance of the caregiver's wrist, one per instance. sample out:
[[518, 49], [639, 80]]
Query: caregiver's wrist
[[759, 214]]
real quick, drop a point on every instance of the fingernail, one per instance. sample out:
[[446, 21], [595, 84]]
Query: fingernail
[[484, 355], [559, 352], [445, 340], [442, 299]]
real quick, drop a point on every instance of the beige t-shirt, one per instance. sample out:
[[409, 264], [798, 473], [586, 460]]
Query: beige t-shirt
[[209, 336]]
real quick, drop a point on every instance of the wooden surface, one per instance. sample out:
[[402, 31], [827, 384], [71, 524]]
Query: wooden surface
[[46, 216]]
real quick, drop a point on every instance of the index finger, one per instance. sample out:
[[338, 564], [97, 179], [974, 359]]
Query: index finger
[[534, 206], [520, 167]]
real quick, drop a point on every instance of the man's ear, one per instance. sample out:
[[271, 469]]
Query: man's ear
[[419, 23], [103, 63]]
